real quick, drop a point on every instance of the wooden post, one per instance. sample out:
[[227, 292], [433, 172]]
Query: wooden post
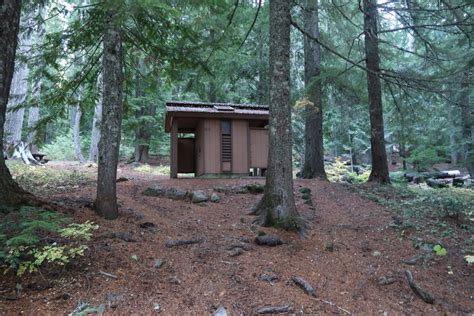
[[174, 148]]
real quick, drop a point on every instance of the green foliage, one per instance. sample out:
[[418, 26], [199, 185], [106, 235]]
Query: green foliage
[[425, 210], [41, 180], [440, 250], [32, 237], [424, 157], [61, 148], [339, 171], [157, 171], [469, 259]]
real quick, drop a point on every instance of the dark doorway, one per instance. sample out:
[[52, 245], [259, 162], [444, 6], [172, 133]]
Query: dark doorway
[[186, 158]]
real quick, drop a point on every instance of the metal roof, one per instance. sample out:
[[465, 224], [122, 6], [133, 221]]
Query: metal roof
[[214, 110]]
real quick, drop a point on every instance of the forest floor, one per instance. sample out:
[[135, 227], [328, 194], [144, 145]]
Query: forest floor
[[353, 257]]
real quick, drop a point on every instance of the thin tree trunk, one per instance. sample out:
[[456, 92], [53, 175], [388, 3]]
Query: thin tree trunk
[[467, 124], [147, 110], [106, 200], [314, 151], [452, 134], [379, 156], [76, 114], [10, 193], [277, 206], [95, 134]]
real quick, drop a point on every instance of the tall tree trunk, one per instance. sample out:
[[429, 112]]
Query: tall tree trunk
[[76, 114], [34, 111], [10, 193], [379, 156], [112, 59], [452, 134], [277, 206], [467, 122], [95, 134], [19, 87], [314, 151], [146, 111]]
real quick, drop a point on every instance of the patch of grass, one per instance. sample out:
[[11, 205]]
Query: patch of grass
[[41, 180], [157, 171], [427, 212]]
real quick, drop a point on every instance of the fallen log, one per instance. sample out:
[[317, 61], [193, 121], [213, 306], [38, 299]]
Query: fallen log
[[302, 283], [274, 309], [439, 183], [181, 242], [425, 296]]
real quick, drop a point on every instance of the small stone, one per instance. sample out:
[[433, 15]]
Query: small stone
[[125, 236], [221, 311], [268, 277], [158, 263], [215, 198], [376, 253], [134, 257], [174, 280], [199, 196], [147, 225], [387, 279], [411, 261], [220, 189], [156, 307], [176, 194], [235, 252], [155, 191]]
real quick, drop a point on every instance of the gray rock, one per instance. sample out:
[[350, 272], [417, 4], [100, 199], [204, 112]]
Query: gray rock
[[176, 194], [268, 240], [376, 253], [215, 198], [199, 196], [235, 252], [113, 299], [269, 277], [156, 191]]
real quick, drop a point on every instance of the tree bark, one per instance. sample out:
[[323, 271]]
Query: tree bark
[[314, 152], [106, 200], [95, 134], [452, 134], [10, 193], [16, 105], [467, 123], [34, 111], [143, 115], [379, 171], [277, 206], [76, 114]]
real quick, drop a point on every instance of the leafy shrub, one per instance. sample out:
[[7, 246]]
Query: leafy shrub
[[61, 148], [424, 157], [340, 172], [31, 237]]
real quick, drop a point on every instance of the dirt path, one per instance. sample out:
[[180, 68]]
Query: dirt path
[[349, 253]]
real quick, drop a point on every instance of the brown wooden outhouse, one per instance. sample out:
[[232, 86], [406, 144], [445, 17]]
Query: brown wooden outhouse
[[210, 139]]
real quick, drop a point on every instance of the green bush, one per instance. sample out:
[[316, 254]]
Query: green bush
[[424, 157], [32, 237], [340, 172]]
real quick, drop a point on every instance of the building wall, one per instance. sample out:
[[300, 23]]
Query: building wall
[[212, 147], [258, 147], [240, 154], [200, 154]]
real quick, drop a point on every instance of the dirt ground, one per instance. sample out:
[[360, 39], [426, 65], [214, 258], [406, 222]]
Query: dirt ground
[[351, 258]]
